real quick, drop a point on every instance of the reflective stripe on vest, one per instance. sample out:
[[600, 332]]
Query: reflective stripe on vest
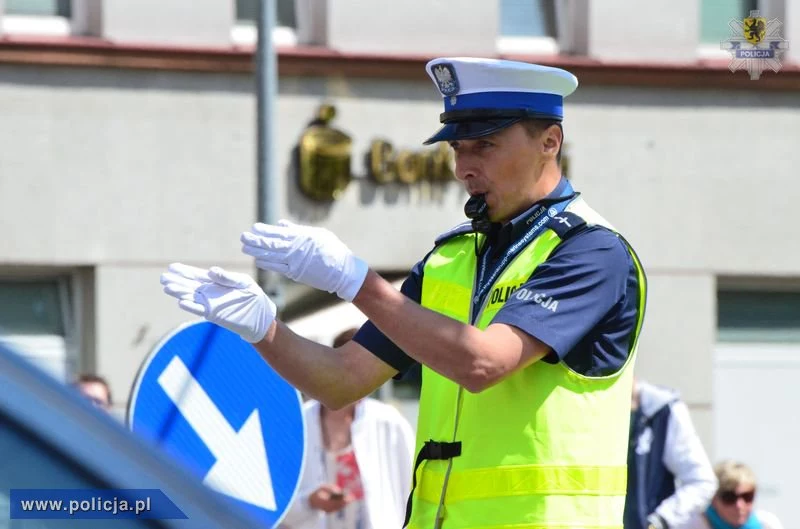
[[546, 447]]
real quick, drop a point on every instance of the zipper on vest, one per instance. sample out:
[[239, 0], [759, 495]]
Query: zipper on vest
[[440, 510], [473, 296], [483, 305]]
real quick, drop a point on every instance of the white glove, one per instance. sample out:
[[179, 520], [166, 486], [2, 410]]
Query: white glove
[[231, 300], [306, 254]]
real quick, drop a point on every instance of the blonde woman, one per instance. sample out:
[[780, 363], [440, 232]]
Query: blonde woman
[[732, 505]]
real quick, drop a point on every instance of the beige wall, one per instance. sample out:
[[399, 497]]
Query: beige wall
[[694, 161], [114, 167], [184, 22], [468, 28]]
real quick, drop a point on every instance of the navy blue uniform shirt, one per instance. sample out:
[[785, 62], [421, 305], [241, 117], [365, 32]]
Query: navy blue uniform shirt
[[582, 302]]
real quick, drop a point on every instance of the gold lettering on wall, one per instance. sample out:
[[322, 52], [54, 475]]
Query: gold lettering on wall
[[406, 166], [325, 157]]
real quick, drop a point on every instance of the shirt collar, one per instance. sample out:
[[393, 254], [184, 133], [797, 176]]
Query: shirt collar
[[517, 227]]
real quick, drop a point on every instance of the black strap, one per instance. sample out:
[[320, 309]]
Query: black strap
[[431, 450], [490, 114]]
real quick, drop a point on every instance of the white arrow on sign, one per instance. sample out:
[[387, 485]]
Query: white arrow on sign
[[241, 469]]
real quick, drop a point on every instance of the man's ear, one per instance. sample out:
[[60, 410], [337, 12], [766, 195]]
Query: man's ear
[[551, 140]]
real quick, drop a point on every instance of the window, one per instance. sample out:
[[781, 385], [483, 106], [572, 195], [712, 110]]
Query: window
[[283, 34], [527, 18], [758, 316], [37, 17], [715, 15], [36, 465], [31, 307], [36, 318], [53, 8], [527, 26], [247, 11], [756, 367]]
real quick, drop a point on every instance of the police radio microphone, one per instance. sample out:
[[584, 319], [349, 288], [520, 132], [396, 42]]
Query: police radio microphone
[[477, 210]]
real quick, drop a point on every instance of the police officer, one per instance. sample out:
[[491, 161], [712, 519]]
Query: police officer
[[525, 319]]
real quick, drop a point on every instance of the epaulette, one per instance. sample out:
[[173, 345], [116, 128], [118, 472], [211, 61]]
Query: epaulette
[[464, 227], [566, 223]]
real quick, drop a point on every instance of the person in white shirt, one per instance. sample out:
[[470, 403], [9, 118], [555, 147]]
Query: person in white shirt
[[670, 477], [358, 466], [732, 505]]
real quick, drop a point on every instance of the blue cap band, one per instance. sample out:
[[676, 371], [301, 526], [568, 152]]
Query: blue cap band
[[548, 104]]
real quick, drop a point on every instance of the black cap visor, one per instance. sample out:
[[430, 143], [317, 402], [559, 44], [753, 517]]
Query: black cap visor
[[467, 130], [477, 123]]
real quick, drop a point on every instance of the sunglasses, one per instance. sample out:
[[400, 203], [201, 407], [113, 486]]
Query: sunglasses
[[730, 497]]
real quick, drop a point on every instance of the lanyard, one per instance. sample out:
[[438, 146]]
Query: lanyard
[[539, 220]]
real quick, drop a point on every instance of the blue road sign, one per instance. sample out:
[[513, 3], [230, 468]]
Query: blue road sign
[[209, 399]]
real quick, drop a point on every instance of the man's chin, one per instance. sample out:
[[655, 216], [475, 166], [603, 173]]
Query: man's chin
[[495, 215]]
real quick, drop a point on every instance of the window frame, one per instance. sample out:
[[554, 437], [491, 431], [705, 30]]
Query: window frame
[[710, 50], [46, 25], [71, 295], [539, 44], [245, 32]]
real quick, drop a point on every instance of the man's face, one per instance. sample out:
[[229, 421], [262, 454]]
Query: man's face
[[503, 166], [735, 506], [95, 392]]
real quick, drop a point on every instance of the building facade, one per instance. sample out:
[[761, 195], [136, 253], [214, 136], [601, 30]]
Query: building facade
[[129, 142]]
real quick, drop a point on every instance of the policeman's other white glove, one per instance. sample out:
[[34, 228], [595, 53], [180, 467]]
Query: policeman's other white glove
[[309, 255], [229, 299]]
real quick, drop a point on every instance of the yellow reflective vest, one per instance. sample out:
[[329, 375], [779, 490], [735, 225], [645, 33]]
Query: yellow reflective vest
[[546, 447]]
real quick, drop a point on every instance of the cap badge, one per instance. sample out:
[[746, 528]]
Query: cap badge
[[446, 78]]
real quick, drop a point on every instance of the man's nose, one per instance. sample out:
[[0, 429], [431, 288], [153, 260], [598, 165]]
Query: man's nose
[[464, 169], [464, 175]]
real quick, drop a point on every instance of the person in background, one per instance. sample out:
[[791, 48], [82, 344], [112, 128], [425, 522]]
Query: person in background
[[96, 389], [358, 465], [670, 477], [732, 505]]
